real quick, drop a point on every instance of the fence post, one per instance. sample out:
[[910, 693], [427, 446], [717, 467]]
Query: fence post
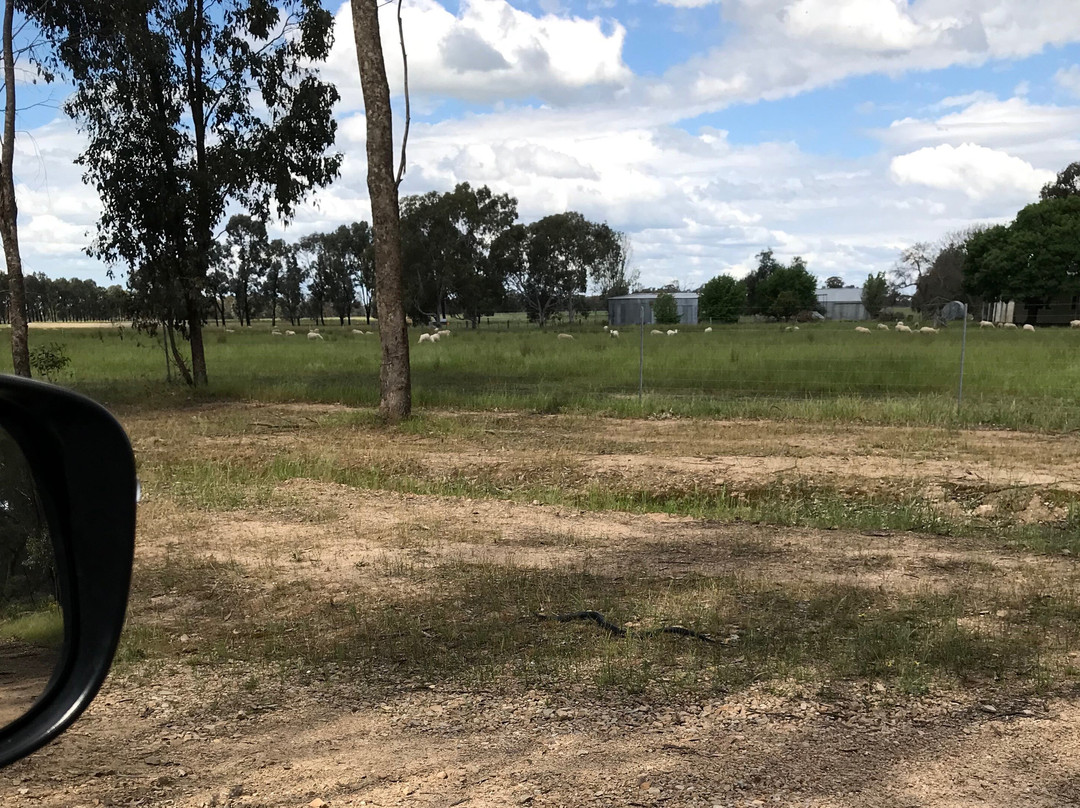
[[963, 350], [641, 358]]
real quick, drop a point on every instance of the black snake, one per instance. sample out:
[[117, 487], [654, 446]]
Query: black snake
[[618, 631]]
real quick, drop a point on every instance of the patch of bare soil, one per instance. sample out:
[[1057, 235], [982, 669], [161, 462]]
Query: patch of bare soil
[[331, 742]]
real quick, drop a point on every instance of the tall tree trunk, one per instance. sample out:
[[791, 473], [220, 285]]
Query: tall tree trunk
[[9, 230], [395, 385]]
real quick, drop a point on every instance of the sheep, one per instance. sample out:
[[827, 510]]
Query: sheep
[[606, 328], [275, 333], [792, 328], [230, 331], [671, 332], [314, 335], [708, 330], [425, 338], [986, 324], [882, 327], [927, 330], [1074, 323], [358, 332], [657, 333], [445, 332], [1029, 327], [1009, 325], [860, 329], [290, 333], [566, 336], [903, 328], [614, 334]]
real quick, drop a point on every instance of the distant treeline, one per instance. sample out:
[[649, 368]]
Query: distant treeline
[[68, 300]]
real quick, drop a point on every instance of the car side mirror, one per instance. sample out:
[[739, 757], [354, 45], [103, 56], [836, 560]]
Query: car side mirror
[[67, 527]]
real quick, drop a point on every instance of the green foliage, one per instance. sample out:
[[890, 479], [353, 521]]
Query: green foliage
[[722, 300], [548, 262], [778, 290], [1066, 184], [875, 294], [665, 310], [190, 111], [835, 282], [447, 251], [49, 360], [1034, 259]]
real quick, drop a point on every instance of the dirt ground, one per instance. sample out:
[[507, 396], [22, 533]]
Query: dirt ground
[[248, 732]]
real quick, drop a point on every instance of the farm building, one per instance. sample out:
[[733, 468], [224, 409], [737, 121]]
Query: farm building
[[627, 309], [842, 304]]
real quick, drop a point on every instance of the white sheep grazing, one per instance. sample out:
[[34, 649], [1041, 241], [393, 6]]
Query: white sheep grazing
[[708, 330], [671, 332], [275, 333], [882, 327], [792, 328], [446, 332], [860, 329], [290, 333], [230, 331], [566, 336], [1029, 327], [425, 338], [614, 334], [436, 336], [606, 328], [985, 324], [1074, 323], [658, 333], [927, 330], [1009, 325], [314, 335], [903, 328], [358, 332]]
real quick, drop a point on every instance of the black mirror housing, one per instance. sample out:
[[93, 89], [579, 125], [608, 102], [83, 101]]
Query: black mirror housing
[[82, 464]]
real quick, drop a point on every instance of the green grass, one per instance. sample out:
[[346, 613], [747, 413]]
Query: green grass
[[823, 372], [44, 627]]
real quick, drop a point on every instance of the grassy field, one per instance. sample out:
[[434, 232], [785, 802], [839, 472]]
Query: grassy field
[[824, 371]]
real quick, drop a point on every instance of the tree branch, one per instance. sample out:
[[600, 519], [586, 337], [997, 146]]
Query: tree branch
[[405, 69]]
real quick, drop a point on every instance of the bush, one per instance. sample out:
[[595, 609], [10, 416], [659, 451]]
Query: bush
[[49, 360], [722, 300], [665, 311]]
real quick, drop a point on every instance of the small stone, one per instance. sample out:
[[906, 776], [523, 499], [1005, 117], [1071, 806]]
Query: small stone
[[988, 708], [317, 803]]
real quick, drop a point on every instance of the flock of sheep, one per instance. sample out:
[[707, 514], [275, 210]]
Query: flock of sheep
[[900, 326]]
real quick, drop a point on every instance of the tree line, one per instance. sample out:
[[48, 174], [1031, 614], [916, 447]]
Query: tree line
[[773, 289], [67, 300], [1034, 259], [464, 256]]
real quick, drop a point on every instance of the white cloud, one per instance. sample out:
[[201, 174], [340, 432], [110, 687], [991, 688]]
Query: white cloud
[[1068, 78], [488, 52], [862, 24], [688, 3], [974, 170]]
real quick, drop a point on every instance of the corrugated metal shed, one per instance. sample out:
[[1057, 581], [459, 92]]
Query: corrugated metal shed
[[842, 304], [627, 309]]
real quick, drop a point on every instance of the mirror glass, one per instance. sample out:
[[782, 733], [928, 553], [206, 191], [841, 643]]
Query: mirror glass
[[31, 622]]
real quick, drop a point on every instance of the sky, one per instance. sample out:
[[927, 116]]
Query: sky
[[841, 131]]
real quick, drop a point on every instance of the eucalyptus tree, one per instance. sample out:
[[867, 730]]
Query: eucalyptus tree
[[192, 108], [248, 251]]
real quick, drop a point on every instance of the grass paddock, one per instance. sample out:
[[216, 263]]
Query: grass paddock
[[824, 371]]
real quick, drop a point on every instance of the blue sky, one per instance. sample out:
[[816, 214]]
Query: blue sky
[[708, 130]]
